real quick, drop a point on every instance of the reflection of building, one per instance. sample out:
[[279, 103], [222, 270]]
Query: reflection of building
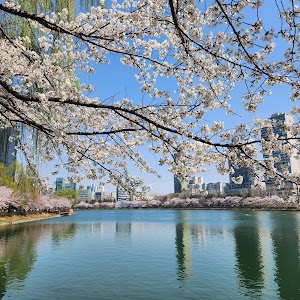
[[7, 147], [266, 247], [248, 256], [280, 125], [183, 247], [123, 230], [286, 253]]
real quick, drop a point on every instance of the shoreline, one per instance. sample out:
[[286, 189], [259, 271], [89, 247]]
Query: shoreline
[[198, 208], [12, 220], [17, 219]]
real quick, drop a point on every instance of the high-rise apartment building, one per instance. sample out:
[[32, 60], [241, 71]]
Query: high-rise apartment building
[[7, 147], [179, 186], [248, 184], [195, 183], [249, 181], [215, 188], [280, 124]]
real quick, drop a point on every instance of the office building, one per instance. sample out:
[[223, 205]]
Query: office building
[[70, 185], [62, 184], [249, 182], [104, 196], [215, 188], [122, 195], [86, 195]]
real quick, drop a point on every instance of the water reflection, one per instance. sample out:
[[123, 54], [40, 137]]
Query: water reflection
[[63, 231], [123, 231], [248, 253], [18, 254], [183, 247], [18, 249], [286, 252]]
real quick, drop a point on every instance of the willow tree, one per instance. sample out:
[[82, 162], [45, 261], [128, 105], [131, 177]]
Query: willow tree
[[209, 48], [14, 26]]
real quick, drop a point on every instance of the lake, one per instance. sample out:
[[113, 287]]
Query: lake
[[153, 254]]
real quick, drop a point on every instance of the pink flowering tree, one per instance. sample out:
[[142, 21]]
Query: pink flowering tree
[[5, 197]]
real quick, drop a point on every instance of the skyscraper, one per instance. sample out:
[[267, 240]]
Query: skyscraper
[[7, 147], [250, 180], [280, 124], [179, 186]]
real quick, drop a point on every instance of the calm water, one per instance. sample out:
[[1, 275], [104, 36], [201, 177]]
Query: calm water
[[153, 254]]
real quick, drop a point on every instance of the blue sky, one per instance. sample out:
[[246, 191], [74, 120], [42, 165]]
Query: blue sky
[[119, 81]]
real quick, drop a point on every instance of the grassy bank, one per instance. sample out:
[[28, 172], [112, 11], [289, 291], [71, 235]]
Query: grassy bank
[[15, 219]]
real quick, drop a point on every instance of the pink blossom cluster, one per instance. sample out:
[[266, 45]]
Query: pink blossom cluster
[[44, 203], [5, 197], [96, 205], [227, 202]]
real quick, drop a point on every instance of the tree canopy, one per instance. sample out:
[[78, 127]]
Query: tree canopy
[[209, 48], [69, 194]]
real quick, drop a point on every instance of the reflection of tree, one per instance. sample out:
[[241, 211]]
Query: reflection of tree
[[18, 249], [286, 252], [183, 248], [19, 254], [3, 276], [248, 255], [63, 231]]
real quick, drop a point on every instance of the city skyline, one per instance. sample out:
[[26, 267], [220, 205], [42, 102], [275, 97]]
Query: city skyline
[[169, 178]]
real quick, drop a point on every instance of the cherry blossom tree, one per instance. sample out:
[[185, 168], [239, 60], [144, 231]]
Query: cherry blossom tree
[[6, 195], [44, 203], [209, 48]]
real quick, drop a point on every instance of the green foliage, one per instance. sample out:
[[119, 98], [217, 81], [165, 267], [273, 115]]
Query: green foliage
[[16, 26], [69, 194], [20, 180]]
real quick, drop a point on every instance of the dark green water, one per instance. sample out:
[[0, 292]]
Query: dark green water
[[153, 254]]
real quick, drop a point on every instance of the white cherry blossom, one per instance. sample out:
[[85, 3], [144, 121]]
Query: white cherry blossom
[[209, 50]]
